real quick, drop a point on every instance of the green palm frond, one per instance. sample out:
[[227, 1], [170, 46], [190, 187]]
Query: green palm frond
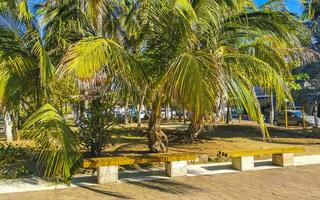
[[10, 89], [195, 77], [47, 70], [241, 94], [91, 55], [258, 73], [58, 156], [24, 10]]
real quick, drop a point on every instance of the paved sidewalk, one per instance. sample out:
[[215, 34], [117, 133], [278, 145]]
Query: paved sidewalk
[[302, 182], [35, 184]]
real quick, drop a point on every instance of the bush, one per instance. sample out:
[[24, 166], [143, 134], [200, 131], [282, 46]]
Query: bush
[[94, 128], [15, 161]]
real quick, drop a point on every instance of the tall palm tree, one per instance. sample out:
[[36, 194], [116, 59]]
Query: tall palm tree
[[27, 83], [192, 50], [94, 46], [310, 15], [220, 48]]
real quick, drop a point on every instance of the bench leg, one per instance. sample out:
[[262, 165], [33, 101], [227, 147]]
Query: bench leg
[[283, 160], [177, 168], [108, 174], [243, 163]]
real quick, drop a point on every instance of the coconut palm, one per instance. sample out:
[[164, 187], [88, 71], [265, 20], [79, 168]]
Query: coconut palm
[[310, 16], [97, 36], [27, 84], [218, 48], [195, 51]]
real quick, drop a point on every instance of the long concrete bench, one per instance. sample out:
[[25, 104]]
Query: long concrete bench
[[175, 164], [244, 160]]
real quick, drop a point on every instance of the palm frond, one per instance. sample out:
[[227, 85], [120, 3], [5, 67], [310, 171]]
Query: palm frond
[[195, 77], [57, 156], [91, 55], [24, 12]]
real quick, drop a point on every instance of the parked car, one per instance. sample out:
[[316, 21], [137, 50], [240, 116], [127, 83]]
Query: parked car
[[295, 118]]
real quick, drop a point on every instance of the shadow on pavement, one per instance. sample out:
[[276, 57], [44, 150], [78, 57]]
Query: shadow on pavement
[[167, 186], [218, 167], [104, 192]]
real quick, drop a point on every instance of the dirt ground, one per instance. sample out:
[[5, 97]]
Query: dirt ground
[[294, 183], [131, 140], [218, 138]]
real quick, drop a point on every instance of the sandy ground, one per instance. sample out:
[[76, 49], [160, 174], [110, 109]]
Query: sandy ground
[[219, 138], [283, 183], [131, 140]]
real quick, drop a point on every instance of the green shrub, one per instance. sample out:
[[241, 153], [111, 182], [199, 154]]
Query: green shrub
[[95, 126], [15, 161]]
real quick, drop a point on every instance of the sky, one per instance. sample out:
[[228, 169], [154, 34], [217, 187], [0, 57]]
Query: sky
[[292, 5]]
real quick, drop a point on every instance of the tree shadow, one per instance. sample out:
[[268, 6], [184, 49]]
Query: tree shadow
[[263, 163], [167, 186], [249, 131], [120, 149], [102, 191], [218, 167], [295, 143], [129, 132]]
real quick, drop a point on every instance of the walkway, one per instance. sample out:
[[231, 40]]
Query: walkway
[[302, 182]]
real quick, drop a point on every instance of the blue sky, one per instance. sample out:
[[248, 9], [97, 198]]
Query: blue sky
[[293, 5]]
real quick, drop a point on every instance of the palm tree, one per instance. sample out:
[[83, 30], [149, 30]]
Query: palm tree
[[211, 48], [94, 47], [195, 51], [27, 84], [310, 15]]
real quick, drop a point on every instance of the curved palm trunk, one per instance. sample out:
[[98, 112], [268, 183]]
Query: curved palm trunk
[[157, 140], [195, 128]]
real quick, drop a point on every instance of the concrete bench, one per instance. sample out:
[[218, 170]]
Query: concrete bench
[[175, 164], [244, 160]]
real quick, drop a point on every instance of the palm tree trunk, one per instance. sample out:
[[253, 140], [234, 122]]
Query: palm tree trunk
[[184, 116], [15, 125], [8, 128], [171, 114], [140, 107], [138, 114], [315, 115], [195, 128], [167, 112], [220, 109], [157, 140], [228, 115], [179, 114], [126, 111]]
